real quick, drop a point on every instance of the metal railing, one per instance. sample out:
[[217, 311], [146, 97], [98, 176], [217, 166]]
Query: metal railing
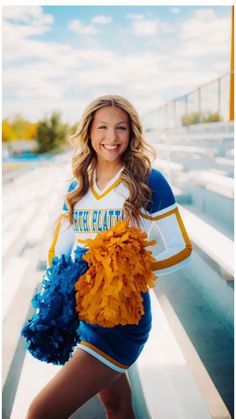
[[207, 103]]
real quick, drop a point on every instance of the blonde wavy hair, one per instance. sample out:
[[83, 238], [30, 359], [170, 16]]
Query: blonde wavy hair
[[135, 159]]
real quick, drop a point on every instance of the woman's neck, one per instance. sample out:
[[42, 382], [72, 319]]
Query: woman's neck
[[106, 171]]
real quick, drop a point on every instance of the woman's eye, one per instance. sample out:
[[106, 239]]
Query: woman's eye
[[104, 127]]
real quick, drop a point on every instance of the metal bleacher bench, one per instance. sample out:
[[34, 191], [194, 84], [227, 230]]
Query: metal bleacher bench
[[218, 247], [223, 185], [165, 164], [209, 152], [176, 384], [215, 137]]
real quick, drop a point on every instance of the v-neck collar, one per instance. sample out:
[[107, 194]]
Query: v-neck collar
[[100, 193]]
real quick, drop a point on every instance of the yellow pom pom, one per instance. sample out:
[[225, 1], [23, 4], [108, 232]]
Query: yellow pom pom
[[109, 292]]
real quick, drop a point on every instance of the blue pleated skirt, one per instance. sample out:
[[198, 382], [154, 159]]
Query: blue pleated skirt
[[117, 347]]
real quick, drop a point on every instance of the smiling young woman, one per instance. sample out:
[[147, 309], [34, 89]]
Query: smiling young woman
[[115, 200], [109, 136]]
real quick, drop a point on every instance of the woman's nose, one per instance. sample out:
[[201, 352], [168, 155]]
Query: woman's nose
[[111, 134]]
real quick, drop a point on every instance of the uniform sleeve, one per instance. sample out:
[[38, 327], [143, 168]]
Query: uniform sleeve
[[63, 238], [166, 218]]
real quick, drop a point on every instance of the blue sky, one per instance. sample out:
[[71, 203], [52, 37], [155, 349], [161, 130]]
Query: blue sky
[[62, 57]]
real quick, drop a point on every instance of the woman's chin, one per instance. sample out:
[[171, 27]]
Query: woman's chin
[[109, 157]]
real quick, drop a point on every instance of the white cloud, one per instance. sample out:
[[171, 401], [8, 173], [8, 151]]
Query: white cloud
[[175, 10], [77, 26], [40, 86], [147, 27], [101, 19], [205, 34], [135, 16], [39, 76], [26, 14], [205, 14], [27, 21]]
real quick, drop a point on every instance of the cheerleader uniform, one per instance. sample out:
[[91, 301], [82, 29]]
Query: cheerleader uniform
[[118, 347]]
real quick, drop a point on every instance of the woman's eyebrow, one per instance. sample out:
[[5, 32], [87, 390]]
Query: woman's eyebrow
[[121, 122]]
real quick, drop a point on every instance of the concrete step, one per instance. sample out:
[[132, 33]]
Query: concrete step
[[217, 246], [197, 322], [13, 276], [207, 388], [164, 375]]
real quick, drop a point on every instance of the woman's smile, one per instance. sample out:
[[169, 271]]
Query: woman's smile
[[111, 147]]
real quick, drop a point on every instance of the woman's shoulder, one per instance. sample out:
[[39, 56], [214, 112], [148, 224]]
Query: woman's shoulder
[[162, 193], [155, 176]]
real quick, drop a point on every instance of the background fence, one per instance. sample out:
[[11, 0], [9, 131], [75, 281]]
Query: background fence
[[208, 103]]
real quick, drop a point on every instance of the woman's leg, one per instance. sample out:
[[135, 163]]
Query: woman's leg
[[78, 380], [117, 399]]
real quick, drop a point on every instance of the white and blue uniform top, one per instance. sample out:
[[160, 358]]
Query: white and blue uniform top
[[99, 210]]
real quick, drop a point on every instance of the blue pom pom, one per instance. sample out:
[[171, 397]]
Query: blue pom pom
[[52, 333]]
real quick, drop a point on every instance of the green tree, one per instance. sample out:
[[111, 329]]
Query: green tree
[[73, 128], [51, 133], [212, 117], [191, 118], [200, 117]]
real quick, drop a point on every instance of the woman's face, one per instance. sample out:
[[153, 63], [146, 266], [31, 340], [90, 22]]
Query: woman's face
[[109, 133]]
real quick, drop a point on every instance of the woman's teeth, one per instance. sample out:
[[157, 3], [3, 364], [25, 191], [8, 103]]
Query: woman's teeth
[[110, 147]]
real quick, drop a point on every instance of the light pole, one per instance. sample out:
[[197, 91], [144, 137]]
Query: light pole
[[231, 103]]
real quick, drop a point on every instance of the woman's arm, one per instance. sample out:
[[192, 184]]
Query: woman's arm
[[165, 216], [178, 247], [63, 239]]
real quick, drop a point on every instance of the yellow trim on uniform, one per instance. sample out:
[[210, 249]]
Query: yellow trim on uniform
[[51, 252], [157, 217], [104, 355], [98, 196], [183, 229], [179, 257]]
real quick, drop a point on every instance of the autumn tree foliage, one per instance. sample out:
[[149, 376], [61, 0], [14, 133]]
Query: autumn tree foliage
[[18, 128]]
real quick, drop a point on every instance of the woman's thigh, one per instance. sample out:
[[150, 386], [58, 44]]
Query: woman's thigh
[[78, 380], [117, 395]]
